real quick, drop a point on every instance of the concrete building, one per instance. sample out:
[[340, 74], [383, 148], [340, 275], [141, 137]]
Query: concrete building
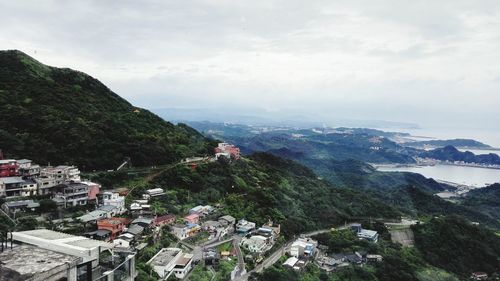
[[61, 173], [72, 193], [12, 186], [370, 235], [303, 248], [27, 169], [256, 243], [114, 199], [244, 226], [224, 149], [192, 218], [170, 261], [9, 168], [49, 256], [183, 231]]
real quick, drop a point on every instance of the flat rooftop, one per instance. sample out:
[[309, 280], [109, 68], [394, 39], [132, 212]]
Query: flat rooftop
[[164, 257], [29, 260]]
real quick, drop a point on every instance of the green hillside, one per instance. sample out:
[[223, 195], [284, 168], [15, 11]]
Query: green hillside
[[264, 187], [59, 115]]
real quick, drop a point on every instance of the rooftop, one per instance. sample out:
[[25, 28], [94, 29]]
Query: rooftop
[[29, 260], [11, 180], [164, 256]]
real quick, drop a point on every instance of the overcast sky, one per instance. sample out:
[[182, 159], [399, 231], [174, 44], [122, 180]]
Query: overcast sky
[[425, 62]]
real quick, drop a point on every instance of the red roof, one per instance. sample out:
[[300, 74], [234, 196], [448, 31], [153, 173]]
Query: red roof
[[164, 218]]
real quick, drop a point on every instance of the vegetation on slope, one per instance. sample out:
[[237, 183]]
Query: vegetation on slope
[[458, 246], [62, 116], [265, 187]]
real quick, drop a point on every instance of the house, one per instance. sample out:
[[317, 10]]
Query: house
[[170, 261], [291, 262], [164, 220], [354, 258], [201, 210], [135, 230], [303, 248], [244, 226], [100, 234], [227, 220], [183, 231], [27, 169], [370, 235], [155, 192], [61, 173], [72, 193], [274, 228], [192, 218], [101, 212], [16, 206], [256, 243], [49, 255], [144, 222], [374, 258], [93, 190], [124, 240], [12, 186], [114, 199], [224, 149], [211, 257], [479, 276], [114, 225], [9, 168], [211, 226]]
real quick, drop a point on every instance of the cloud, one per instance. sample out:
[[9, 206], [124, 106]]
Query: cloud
[[398, 60]]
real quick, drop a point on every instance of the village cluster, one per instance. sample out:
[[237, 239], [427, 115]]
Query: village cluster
[[116, 229]]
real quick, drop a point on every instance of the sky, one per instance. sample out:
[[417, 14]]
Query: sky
[[432, 63]]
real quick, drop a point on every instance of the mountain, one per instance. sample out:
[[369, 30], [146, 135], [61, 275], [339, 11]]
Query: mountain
[[461, 143], [450, 153], [59, 115]]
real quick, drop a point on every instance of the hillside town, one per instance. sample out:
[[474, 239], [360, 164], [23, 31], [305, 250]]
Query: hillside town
[[103, 241]]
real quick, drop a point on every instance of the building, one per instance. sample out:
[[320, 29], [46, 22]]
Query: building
[[291, 262], [192, 218], [227, 220], [183, 231], [144, 222], [101, 212], [225, 149], [256, 243], [115, 200], [370, 235], [303, 248], [479, 276], [374, 258], [9, 168], [201, 210], [46, 255], [115, 226], [16, 206], [244, 226], [61, 173], [17, 187], [93, 190], [154, 192], [12, 186], [170, 261], [27, 169], [72, 193], [164, 220]]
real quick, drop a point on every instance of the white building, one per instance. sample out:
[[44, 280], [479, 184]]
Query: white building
[[170, 261], [303, 247], [370, 235], [256, 243], [114, 199], [45, 255]]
